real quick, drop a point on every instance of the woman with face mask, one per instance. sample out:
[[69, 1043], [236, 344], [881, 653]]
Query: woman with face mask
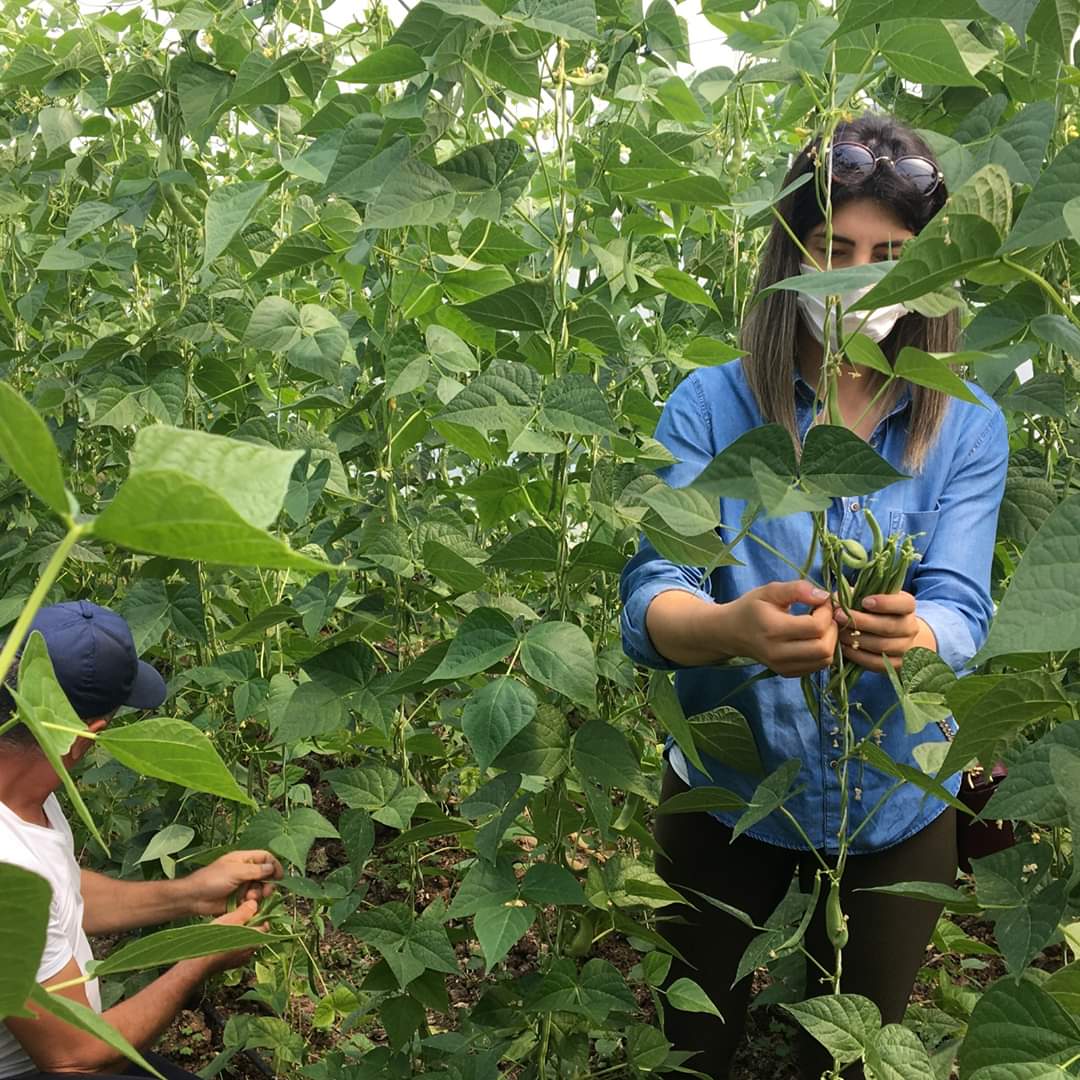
[[885, 187]]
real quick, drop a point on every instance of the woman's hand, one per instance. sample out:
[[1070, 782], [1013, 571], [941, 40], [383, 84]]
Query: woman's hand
[[763, 627], [887, 624]]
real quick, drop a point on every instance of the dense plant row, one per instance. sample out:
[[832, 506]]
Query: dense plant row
[[351, 343]]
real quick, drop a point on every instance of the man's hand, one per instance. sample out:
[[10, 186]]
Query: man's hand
[[248, 875], [886, 624], [791, 645], [238, 957]]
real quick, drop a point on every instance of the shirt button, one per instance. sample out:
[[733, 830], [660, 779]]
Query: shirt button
[[833, 764], [855, 506]]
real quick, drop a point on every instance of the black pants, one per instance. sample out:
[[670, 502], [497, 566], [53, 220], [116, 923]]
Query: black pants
[[888, 934], [166, 1068]]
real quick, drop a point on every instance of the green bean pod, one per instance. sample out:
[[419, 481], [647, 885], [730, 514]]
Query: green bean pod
[[835, 920], [853, 554], [875, 530]]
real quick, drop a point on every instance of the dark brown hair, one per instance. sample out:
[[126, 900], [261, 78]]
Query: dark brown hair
[[769, 333]]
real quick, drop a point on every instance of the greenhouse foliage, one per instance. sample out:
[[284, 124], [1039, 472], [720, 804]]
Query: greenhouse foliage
[[332, 356]]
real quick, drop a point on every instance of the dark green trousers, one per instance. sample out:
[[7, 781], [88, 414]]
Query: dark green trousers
[[888, 934]]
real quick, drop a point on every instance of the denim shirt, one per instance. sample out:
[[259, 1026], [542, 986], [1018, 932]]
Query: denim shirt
[[953, 502]]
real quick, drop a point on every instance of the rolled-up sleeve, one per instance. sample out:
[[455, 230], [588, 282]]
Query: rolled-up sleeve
[[685, 430], [951, 584]]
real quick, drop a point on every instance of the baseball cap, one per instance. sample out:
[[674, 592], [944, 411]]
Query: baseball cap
[[93, 655]]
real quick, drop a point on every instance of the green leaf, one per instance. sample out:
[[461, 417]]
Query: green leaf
[[391, 63], [409, 944], [86, 1019], [1053, 24], [575, 404], [669, 712], [724, 734], [494, 714], [414, 194], [28, 450], [1040, 611], [845, 1024], [167, 947], [1013, 888], [932, 370], [1014, 1025], [687, 510], [499, 927], [932, 892], [293, 252], [682, 286], [560, 655], [44, 708], [836, 461], [227, 210], [574, 20], [933, 51], [290, 837], [484, 637], [252, 477], [274, 325], [258, 83], [860, 13], [173, 750], [698, 799], [603, 755], [24, 920], [546, 883], [164, 512], [1041, 219], [895, 1053], [770, 794], [542, 748], [132, 85], [991, 710], [687, 996]]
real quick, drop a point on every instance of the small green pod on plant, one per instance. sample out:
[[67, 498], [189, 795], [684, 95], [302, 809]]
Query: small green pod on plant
[[835, 920], [581, 943], [875, 530]]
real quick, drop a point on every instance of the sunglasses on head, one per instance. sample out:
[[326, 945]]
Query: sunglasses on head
[[853, 163]]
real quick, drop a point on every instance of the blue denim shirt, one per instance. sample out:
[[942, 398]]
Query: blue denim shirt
[[953, 502]]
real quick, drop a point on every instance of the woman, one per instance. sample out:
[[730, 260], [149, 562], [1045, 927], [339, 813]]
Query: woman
[[885, 187]]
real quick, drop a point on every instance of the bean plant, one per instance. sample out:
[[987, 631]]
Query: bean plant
[[332, 357]]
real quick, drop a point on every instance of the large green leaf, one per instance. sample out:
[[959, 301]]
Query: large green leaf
[[1040, 611], [165, 512], [179, 943], [494, 714], [173, 750], [1014, 1026], [227, 211], [560, 655], [603, 755], [499, 927], [845, 1024], [414, 194], [484, 637], [1041, 219], [24, 920], [253, 478], [933, 51], [836, 461], [392, 63], [28, 450]]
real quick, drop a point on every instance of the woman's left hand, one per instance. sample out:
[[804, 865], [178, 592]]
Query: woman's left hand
[[886, 624]]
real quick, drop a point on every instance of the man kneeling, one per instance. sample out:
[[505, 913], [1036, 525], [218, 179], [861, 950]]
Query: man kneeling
[[94, 656]]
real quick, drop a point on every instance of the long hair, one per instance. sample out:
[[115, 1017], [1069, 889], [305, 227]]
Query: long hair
[[769, 332]]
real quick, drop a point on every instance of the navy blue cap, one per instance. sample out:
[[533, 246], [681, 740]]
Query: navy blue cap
[[94, 657]]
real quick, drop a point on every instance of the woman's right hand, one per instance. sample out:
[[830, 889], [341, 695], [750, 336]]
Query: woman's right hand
[[760, 625]]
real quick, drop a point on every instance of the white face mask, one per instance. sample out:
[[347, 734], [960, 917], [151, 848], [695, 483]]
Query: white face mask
[[875, 324]]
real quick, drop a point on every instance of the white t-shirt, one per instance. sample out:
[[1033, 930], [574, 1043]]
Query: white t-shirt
[[49, 853]]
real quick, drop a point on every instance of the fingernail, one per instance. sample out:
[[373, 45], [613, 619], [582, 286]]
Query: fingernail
[[869, 602], [818, 594]]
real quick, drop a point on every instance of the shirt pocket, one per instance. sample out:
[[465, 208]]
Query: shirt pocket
[[920, 525]]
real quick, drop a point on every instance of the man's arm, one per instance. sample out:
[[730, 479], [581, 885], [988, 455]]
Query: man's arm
[[55, 1046], [111, 906]]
